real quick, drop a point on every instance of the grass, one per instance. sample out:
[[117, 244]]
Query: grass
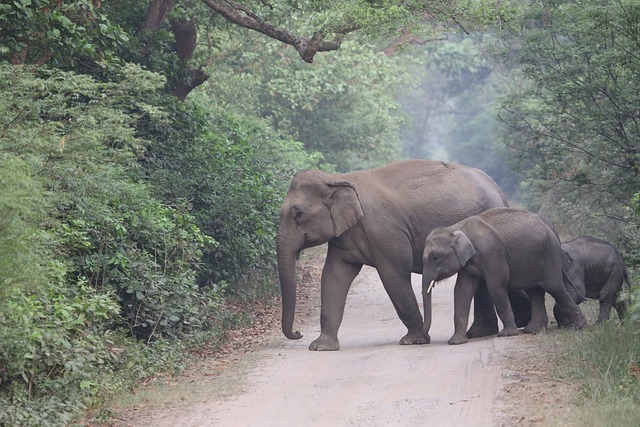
[[604, 360]]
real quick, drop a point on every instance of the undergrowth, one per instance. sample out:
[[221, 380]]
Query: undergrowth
[[604, 360]]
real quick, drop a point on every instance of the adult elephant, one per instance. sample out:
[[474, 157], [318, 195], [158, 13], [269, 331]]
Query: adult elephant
[[378, 217], [502, 248]]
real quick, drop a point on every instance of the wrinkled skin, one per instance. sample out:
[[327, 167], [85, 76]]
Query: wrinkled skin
[[594, 269], [378, 217], [504, 249]]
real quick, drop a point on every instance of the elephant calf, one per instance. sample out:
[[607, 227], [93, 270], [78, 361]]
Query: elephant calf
[[505, 248], [592, 268]]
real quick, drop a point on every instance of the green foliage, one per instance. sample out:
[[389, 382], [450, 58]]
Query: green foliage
[[341, 106], [90, 256], [233, 172], [386, 19], [53, 349], [155, 50], [605, 361], [575, 129], [66, 34], [23, 246]]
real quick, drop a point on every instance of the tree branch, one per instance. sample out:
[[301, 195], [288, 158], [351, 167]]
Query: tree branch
[[306, 48]]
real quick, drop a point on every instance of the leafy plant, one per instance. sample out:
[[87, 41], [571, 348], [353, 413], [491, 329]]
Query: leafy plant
[[573, 131], [67, 34]]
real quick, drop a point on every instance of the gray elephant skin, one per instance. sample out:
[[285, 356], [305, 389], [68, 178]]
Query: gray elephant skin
[[593, 268], [378, 217], [504, 248]]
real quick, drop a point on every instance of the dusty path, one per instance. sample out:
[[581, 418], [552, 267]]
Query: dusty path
[[371, 381]]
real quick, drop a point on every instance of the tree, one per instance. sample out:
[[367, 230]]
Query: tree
[[387, 18], [70, 34], [328, 26], [450, 105], [576, 129], [342, 106]]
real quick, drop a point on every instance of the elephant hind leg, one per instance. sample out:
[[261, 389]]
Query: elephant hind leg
[[621, 308], [485, 320], [609, 293], [605, 312]]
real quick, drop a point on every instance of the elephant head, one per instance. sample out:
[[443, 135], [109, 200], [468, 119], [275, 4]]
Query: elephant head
[[318, 208], [445, 253]]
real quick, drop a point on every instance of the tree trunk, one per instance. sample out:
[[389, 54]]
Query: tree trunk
[[156, 14]]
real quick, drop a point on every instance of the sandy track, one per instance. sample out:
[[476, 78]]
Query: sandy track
[[371, 381]]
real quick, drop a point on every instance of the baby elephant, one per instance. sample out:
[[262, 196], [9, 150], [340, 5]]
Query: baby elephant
[[507, 249], [593, 269]]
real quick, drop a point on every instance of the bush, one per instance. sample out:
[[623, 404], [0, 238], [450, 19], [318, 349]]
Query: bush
[[233, 172], [124, 217], [88, 257]]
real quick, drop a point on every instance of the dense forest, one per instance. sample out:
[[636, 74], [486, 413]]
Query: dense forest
[[146, 147]]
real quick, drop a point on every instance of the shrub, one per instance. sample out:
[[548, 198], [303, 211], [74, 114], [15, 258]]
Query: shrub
[[233, 172]]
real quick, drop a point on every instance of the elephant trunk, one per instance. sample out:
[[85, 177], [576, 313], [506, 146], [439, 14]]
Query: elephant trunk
[[287, 271], [427, 289]]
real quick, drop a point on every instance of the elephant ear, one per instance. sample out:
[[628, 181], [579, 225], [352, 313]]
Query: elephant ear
[[463, 247], [346, 209]]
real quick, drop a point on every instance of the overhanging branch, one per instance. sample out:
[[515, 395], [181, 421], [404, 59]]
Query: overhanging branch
[[306, 47]]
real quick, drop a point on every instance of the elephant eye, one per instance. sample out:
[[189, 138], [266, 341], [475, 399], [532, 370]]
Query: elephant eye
[[297, 214]]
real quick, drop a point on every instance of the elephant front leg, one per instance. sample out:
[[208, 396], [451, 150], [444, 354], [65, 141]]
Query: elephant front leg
[[539, 318], [398, 287], [568, 306], [335, 283], [462, 295]]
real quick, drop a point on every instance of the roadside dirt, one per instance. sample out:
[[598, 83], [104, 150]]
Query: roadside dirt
[[371, 381]]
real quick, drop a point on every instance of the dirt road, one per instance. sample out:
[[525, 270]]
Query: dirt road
[[371, 381]]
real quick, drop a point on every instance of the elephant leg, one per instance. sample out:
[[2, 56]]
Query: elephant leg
[[485, 321], [609, 293], [500, 297], [561, 318], [621, 308], [567, 305], [539, 318], [521, 307], [572, 287], [335, 283], [463, 292], [398, 287], [605, 312]]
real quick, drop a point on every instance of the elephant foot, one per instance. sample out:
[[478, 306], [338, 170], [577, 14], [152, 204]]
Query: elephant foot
[[580, 322], [323, 343], [482, 330], [509, 332], [458, 339], [415, 338], [534, 328]]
